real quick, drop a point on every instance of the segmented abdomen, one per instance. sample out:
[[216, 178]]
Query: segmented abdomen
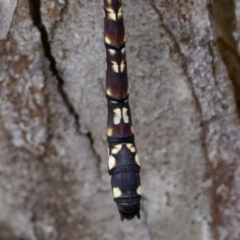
[[123, 162]]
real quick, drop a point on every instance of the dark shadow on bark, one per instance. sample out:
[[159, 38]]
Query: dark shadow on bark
[[35, 6], [225, 22], [222, 15]]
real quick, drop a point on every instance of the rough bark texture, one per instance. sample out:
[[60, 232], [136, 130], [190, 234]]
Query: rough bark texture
[[184, 71], [7, 8]]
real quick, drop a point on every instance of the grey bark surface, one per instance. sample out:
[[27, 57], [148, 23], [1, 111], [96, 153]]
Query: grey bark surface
[[183, 64], [7, 8]]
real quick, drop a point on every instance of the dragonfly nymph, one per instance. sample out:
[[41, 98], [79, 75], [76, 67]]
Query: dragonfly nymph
[[123, 162]]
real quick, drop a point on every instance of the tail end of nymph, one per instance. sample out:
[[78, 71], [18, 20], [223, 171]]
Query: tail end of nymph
[[129, 210], [124, 167]]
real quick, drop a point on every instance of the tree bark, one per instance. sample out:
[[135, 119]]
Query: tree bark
[[7, 8], [184, 71]]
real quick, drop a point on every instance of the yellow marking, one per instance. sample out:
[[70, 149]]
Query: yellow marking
[[131, 147], [132, 129], [139, 190], [111, 162], [137, 160], [120, 14], [112, 16], [122, 66], [125, 116], [109, 92], [117, 116], [109, 9], [115, 67], [117, 192], [107, 40], [109, 131], [116, 148], [112, 52]]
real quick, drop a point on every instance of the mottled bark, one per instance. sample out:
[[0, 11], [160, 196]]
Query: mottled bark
[[183, 64], [7, 8]]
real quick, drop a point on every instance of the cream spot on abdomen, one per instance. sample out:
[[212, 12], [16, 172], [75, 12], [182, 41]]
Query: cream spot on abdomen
[[117, 116], [125, 116], [116, 148], [139, 190], [137, 160], [111, 162], [117, 192]]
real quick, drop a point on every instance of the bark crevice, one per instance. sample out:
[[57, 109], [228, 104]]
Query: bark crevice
[[224, 17], [98, 162], [37, 22]]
